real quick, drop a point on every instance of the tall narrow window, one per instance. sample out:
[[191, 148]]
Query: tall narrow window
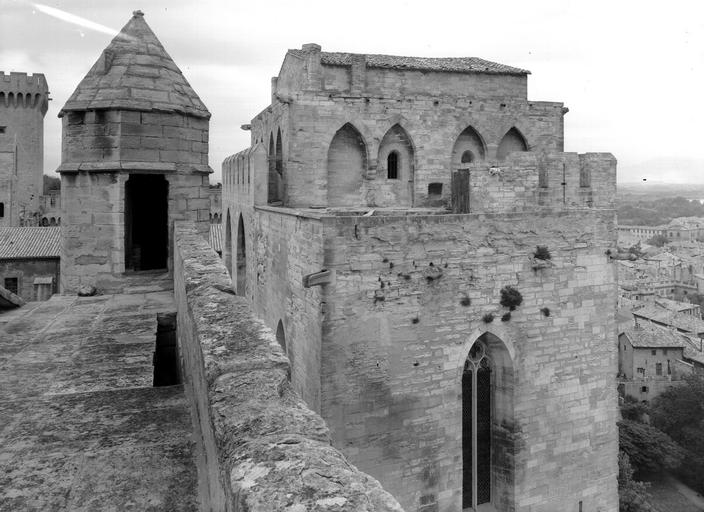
[[476, 428], [392, 166], [2, 210], [658, 368]]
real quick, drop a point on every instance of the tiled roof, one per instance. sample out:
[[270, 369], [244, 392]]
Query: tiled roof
[[449, 64], [135, 73], [645, 336], [674, 305], [216, 237], [683, 321], [19, 243]]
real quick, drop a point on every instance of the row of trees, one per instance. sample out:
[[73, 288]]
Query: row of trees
[[654, 212], [663, 437]]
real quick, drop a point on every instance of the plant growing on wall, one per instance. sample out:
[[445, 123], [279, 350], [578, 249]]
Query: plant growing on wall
[[488, 318], [542, 253], [510, 297]]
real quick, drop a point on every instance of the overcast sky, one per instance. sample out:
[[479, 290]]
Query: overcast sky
[[631, 73]]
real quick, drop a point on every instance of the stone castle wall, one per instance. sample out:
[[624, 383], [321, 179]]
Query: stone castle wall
[[23, 104], [259, 447], [397, 332]]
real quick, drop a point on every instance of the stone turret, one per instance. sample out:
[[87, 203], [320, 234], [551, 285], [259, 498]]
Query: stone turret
[[24, 100], [134, 159]]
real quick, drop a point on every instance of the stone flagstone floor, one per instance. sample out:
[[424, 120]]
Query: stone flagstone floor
[[81, 427]]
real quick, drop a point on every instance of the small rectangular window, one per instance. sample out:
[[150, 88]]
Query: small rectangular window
[[2, 129], [658, 368], [644, 389], [12, 284], [435, 189], [641, 371], [654, 352], [2, 210]]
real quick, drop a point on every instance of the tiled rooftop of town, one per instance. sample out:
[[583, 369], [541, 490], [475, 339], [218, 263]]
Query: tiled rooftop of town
[[82, 427]]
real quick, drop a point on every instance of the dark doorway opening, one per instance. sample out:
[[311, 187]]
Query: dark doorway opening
[[165, 359], [146, 222]]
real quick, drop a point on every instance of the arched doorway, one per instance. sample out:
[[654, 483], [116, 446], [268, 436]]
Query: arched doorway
[[241, 258], [487, 425], [227, 249]]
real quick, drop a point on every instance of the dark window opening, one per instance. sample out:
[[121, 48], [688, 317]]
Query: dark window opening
[[2, 210], [2, 129], [241, 259], [653, 352], [146, 222], [12, 284], [165, 359], [644, 389], [658, 368], [434, 189], [392, 166], [467, 157], [481, 481]]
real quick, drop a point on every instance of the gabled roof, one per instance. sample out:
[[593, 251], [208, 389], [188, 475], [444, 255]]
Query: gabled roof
[[447, 64], [645, 336], [682, 321], [26, 243], [135, 73]]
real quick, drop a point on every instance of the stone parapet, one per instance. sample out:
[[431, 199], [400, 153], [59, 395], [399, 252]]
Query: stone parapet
[[261, 448]]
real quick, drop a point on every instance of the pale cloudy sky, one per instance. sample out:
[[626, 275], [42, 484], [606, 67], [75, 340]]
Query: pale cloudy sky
[[631, 72]]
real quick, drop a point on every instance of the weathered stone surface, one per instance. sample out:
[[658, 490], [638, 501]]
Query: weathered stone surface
[[261, 448], [81, 427]]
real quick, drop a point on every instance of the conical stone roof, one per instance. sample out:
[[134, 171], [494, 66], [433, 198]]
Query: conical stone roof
[[135, 73]]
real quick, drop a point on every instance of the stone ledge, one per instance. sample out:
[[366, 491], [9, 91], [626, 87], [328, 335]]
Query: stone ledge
[[273, 453]]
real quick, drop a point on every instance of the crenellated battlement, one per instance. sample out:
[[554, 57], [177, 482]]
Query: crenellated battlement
[[23, 90]]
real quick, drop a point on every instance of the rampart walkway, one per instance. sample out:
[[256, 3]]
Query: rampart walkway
[[81, 427]]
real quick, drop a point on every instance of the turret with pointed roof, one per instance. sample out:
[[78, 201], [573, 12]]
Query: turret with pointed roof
[[135, 73], [134, 159]]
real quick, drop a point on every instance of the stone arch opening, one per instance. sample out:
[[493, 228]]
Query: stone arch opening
[[487, 425], [511, 142], [227, 249], [241, 258], [396, 152], [347, 163], [146, 222], [281, 335], [52, 222], [274, 181], [469, 147]]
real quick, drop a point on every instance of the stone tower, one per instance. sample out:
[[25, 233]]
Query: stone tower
[[24, 100], [134, 159], [385, 223]]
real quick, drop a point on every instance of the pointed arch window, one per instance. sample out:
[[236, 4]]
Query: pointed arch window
[[476, 428]]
